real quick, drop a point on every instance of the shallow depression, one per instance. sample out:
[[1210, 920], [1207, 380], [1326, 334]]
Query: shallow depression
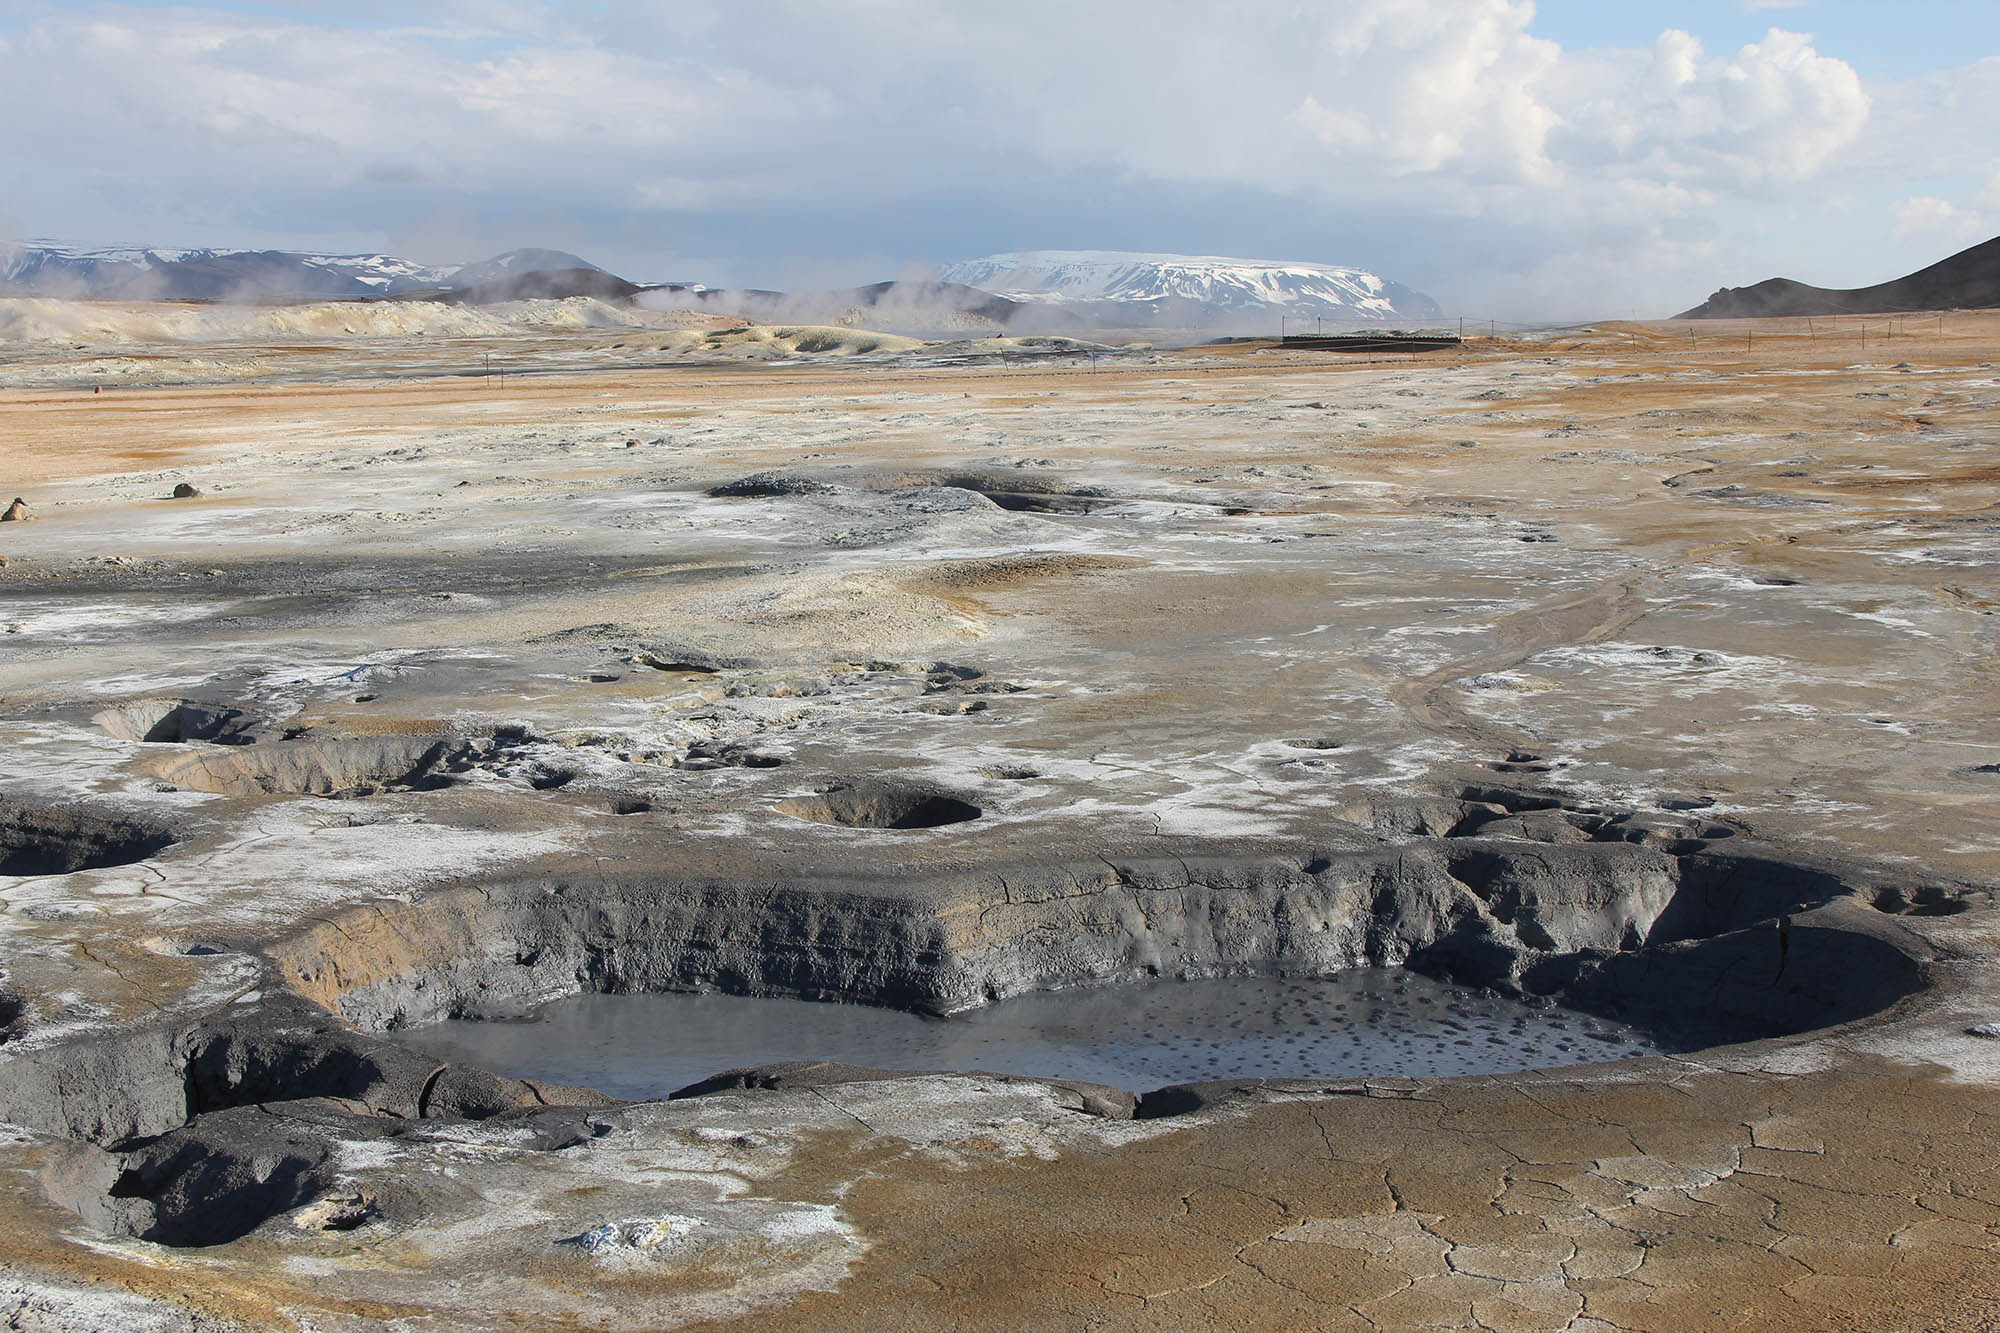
[[1367, 1022]]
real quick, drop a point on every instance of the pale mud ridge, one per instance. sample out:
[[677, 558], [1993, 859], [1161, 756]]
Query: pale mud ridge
[[1647, 679], [57, 344]]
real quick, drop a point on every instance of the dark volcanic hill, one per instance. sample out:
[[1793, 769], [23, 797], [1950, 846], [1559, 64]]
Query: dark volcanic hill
[[1969, 280], [535, 285]]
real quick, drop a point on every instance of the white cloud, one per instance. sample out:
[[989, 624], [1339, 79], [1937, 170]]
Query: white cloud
[[1395, 88], [1413, 88], [1771, 114], [1445, 113], [1926, 216], [1940, 124], [1989, 195]]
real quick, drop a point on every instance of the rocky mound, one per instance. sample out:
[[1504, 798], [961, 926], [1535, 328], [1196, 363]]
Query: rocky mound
[[1968, 280], [559, 284]]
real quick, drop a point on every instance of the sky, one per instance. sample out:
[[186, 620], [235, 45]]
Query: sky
[[1515, 160]]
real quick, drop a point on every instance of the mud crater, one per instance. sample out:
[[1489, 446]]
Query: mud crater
[[307, 767], [179, 721], [880, 805], [1928, 900], [229, 751], [1023, 493], [59, 840], [1692, 940]]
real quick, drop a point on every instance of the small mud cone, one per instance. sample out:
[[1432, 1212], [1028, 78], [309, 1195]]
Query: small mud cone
[[184, 491], [16, 512]]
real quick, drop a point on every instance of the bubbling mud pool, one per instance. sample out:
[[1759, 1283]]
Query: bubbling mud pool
[[1372, 1022]]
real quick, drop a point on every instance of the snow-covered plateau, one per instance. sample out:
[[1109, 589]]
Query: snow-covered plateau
[[1218, 282]]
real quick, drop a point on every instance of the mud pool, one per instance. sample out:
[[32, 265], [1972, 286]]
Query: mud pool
[[1368, 1022]]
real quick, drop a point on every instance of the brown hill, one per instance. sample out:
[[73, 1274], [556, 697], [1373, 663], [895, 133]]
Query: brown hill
[[1968, 280]]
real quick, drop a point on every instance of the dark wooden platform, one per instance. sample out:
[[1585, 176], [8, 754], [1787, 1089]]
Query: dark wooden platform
[[1370, 342]]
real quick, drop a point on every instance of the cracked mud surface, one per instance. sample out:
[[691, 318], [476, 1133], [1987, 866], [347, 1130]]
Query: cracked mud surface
[[1658, 683]]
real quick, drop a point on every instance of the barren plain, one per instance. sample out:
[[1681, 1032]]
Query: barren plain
[[1648, 671]]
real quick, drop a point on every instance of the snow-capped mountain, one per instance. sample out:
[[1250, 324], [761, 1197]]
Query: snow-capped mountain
[[385, 273], [63, 270], [1179, 285], [49, 268]]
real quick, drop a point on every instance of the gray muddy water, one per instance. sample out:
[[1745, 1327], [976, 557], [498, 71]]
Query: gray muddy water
[[1367, 1022]]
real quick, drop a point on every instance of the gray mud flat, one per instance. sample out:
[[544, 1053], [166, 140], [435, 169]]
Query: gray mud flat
[[1367, 1022]]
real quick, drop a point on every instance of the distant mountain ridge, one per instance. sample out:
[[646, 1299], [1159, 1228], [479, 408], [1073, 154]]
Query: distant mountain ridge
[[1046, 291], [900, 306], [1198, 290], [1968, 280], [1080, 291], [138, 273]]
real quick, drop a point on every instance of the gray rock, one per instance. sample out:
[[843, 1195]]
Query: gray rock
[[764, 485]]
